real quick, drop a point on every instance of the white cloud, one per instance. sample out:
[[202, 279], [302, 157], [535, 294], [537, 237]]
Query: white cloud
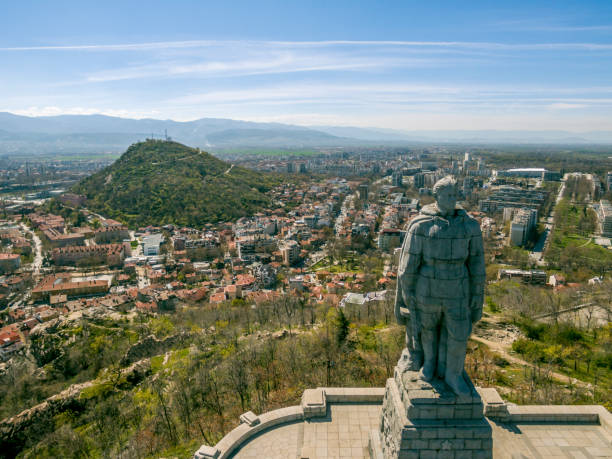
[[566, 106], [260, 44], [248, 62], [398, 94], [55, 111], [238, 67]]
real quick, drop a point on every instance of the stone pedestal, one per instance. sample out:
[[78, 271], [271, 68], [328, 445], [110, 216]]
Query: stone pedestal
[[427, 420]]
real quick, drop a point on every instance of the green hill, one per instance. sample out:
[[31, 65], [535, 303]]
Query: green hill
[[158, 182]]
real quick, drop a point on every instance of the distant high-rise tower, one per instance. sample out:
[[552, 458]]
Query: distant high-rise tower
[[397, 178], [419, 180], [468, 185], [363, 192]]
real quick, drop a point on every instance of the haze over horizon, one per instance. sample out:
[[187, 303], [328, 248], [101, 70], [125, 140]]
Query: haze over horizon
[[406, 66]]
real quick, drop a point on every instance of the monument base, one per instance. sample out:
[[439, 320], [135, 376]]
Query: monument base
[[427, 420]]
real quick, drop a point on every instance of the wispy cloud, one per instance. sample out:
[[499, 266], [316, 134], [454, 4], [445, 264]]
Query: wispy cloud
[[152, 46], [559, 98], [368, 83], [257, 61], [559, 24], [278, 64], [569, 28], [567, 106], [54, 111]]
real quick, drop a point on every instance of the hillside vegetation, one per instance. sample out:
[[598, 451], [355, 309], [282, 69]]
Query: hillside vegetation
[[139, 385], [158, 182]]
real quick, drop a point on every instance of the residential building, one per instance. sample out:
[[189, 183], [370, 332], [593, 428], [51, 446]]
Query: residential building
[[111, 233], [111, 254], [363, 192], [250, 247], [510, 196], [290, 251], [71, 199], [265, 275], [552, 176], [605, 217], [151, 244], [64, 284], [390, 238], [526, 172], [523, 223], [60, 239], [397, 178], [528, 276], [9, 262], [419, 180]]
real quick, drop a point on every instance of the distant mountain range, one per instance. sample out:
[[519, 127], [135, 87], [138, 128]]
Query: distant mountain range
[[99, 133]]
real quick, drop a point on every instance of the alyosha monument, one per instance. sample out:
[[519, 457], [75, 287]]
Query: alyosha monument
[[429, 408], [431, 403]]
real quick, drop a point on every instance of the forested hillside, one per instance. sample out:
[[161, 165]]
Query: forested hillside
[[158, 182]]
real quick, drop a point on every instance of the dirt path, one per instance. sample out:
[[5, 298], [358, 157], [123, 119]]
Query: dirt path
[[501, 350]]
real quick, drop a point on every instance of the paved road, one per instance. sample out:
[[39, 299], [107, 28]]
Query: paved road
[[37, 264], [348, 203], [537, 253]]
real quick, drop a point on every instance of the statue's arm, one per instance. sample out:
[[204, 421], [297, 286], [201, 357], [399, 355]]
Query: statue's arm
[[410, 261], [476, 268]]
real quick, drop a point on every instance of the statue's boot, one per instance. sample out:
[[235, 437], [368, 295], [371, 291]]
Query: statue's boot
[[455, 361], [430, 346], [410, 360]]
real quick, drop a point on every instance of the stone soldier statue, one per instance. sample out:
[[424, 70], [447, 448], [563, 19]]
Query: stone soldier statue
[[440, 287]]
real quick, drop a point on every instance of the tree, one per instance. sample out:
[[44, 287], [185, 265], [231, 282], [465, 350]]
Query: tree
[[342, 326], [239, 379]]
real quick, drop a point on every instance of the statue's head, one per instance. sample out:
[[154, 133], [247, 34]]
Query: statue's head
[[445, 192]]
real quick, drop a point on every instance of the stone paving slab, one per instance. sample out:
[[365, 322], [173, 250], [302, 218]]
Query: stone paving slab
[[543, 441], [276, 443], [343, 434]]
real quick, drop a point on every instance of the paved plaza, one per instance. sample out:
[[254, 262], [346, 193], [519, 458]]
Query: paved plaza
[[550, 441], [343, 433], [276, 443]]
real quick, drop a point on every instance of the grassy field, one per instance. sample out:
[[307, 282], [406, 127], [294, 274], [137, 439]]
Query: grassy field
[[571, 249]]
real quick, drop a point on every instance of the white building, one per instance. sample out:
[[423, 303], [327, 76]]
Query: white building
[[151, 244], [605, 217], [523, 223]]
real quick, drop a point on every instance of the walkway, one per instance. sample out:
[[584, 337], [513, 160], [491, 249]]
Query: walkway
[[344, 434], [548, 441]]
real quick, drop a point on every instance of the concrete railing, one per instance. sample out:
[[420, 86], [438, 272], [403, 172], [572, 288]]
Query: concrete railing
[[495, 408], [314, 404]]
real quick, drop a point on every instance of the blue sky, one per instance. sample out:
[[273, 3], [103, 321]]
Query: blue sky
[[404, 65]]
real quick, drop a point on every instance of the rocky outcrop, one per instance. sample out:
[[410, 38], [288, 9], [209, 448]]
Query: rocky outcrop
[[150, 346], [31, 424], [38, 420]]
